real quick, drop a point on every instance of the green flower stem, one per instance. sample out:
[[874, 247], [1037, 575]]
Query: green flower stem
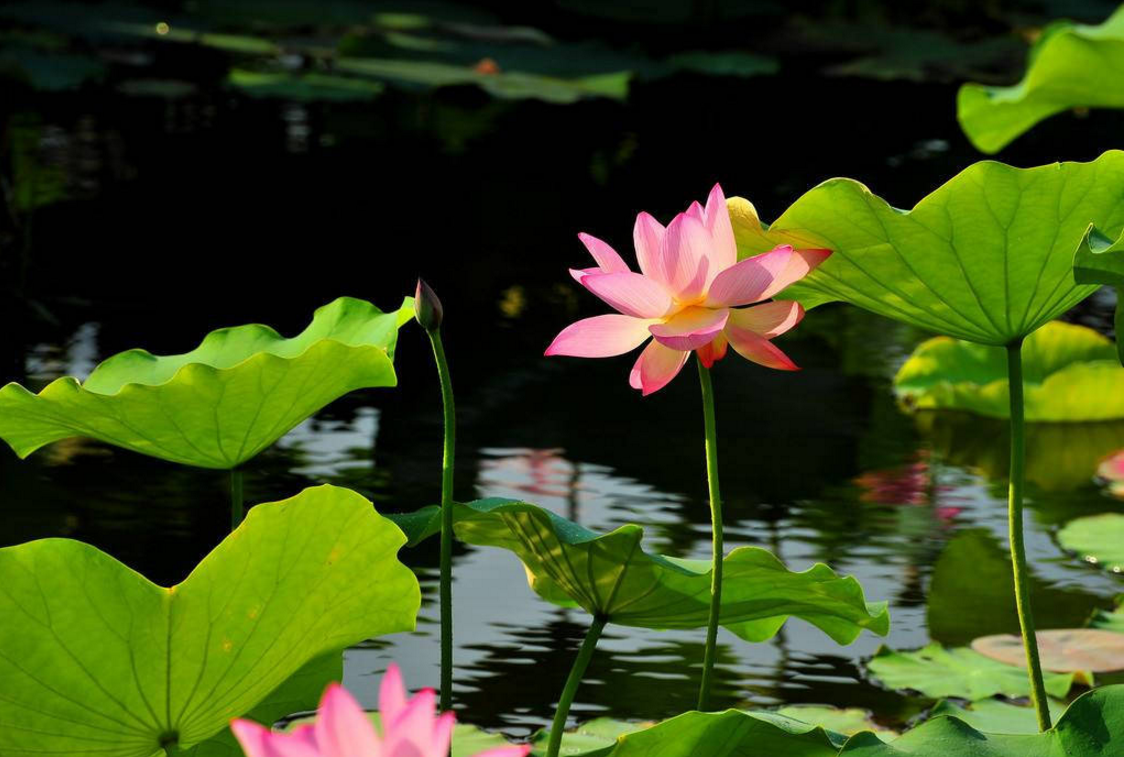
[[446, 520], [716, 531], [236, 510], [1015, 526], [576, 673]]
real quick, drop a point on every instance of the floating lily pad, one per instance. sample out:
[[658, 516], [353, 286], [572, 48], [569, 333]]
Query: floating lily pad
[[503, 84], [1070, 373], [220, 405], [307, 87], [611, 576], [998, 715], [958, 672], [1093, 726], [594, 736], [845, 720], [986, 257], [97, 660], [1071, 650], [1098, 539], [1070, 65]]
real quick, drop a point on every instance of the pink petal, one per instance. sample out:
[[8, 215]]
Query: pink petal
[[601, 336], [629, 293], [443, 733], [758, 349], [392, 691], [656, 366], [342, 727], [696, 211], [760, 277], [724, 252], [685, 257], [647, 236], [711, 353], [414, 726], [768, 319], [579, 273], [258, 741], [690, 328], [606, 257]]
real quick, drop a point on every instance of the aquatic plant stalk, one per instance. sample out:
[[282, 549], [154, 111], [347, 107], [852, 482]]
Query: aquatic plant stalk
[[446, 597], [716, 536], [581, 662], [1015, 527], [236, 508]]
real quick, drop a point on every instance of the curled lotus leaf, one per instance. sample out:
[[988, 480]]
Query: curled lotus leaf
[[96, 661], [986, 257], [221, 404], [1100, 260], [1070, 374], [1070, 66], [1063, 650], [845, 720], [611, 576], [1092, 726], [958, 672]]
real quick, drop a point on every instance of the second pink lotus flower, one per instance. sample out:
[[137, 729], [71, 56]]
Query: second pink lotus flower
[[689, 296], [411, 727]]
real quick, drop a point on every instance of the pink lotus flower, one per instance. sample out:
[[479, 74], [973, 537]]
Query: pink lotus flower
[[690, 296], [410, 728]]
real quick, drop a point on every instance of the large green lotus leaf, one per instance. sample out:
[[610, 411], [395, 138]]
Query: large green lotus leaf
[[97, 661], [1098, 539], [1070, 374], [986, 257], [938, 672], [611, 576], [997, 715], [300, 693], [1071, 65], [1093, 726], [221, 404]]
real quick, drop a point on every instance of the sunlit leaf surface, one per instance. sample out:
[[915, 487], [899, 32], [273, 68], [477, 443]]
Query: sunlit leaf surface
[[96, 660], [219, 405]]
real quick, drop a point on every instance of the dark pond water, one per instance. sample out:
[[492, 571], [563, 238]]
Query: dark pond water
[[212, 210]]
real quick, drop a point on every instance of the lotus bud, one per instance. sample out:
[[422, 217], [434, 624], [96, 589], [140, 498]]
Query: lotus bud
[[427, 308]]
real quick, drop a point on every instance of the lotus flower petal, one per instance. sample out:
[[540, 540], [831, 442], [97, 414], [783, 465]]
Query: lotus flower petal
[[769, 319], [601, 336], [691, 329], [656, 367]]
